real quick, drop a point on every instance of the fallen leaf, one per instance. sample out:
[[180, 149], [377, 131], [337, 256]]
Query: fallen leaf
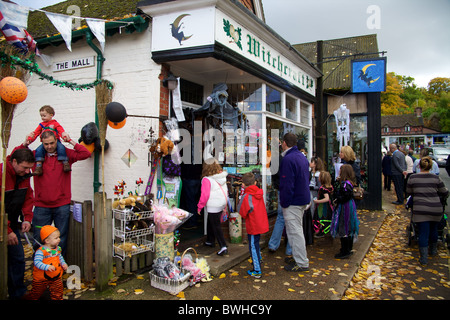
[[120, 291], [181, 295], [291, 290], [223, 275], [216, 298], [138, 291]]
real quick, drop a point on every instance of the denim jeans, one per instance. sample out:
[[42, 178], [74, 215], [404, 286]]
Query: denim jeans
[[428, 233], [16, 269], [60, 150], [45, 216], [277, 232]]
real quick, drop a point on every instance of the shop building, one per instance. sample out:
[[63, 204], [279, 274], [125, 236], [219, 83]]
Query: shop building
[[204, 43]]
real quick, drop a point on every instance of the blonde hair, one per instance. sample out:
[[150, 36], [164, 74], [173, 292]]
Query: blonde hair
[[349, 154], [325, 179], [210, 168]]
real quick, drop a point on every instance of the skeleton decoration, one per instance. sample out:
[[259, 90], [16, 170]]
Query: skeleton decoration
[[342, 116]]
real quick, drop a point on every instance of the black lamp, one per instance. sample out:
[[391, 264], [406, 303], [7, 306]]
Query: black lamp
[[171, 82]]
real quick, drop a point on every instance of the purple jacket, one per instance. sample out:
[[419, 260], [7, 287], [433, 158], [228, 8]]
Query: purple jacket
[[294, 179]]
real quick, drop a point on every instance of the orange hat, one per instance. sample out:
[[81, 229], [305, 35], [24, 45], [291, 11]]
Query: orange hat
[[46, 231]]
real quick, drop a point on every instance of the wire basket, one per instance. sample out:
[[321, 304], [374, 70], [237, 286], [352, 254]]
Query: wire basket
[[170, 285]]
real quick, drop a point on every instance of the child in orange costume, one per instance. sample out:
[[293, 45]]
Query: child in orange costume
[[48, 266]]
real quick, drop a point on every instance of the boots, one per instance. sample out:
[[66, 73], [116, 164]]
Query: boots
[[433, 249], [346, 245], [423, 251]]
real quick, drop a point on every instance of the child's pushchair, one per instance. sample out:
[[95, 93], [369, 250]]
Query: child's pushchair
[[443, 232]]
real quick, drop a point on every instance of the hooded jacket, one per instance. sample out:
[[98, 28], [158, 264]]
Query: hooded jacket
[[256, 221], [214, 193]]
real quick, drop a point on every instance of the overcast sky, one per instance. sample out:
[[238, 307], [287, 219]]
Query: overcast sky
[[415, 33]]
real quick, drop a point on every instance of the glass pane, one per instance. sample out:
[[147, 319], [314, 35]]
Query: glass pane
[[246, 96], [273, 100], [273, 180], [304, 112], [291, 108]]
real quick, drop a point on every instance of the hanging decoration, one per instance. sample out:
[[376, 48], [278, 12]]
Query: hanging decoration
[[63, 24], [117, 125], [98, 29], [31, 66], [13, 90]]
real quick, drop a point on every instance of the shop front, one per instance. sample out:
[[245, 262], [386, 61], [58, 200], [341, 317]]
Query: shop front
[[270, 87]]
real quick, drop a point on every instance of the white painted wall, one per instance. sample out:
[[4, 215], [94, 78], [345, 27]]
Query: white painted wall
[[134, 74]]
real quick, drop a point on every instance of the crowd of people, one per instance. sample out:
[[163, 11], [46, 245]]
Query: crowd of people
[[418, 180], [303, 186]]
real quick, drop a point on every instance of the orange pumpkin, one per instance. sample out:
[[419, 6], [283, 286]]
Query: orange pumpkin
[[117, 125], [13, 90]]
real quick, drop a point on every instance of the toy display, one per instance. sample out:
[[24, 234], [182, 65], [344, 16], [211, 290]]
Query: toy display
[[168, 219]]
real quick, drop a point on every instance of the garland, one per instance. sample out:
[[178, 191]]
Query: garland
[[33, 67]]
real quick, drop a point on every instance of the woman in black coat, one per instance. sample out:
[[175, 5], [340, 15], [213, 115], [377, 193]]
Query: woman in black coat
[[387, 173], [348, 156]]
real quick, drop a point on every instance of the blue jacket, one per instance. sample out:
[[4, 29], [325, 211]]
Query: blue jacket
[[294, 179]]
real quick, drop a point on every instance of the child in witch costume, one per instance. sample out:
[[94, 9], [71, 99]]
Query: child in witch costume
[[48, 266], [252, 208], [324, 205], [48, 123], [345, 223]]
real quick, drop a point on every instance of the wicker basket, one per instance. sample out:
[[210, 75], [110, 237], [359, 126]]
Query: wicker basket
[[173, 286]]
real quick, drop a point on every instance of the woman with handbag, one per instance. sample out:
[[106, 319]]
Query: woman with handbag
[[214, 199]]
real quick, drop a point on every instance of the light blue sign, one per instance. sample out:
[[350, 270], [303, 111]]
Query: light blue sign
[[369, 75]]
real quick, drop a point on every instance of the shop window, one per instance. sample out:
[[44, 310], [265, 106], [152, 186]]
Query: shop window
[[407, 128], [305, 113], [358, 142], [386, 129], [291, 108], [273, 100], [272, 182], [191, 92], [245, 96]]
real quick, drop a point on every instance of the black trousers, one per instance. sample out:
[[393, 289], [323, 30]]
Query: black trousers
[[214, 229], [399, 186]]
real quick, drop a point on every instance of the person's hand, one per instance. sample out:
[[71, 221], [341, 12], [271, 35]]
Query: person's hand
[[12, 239], [51, 268], [65, 266], [26, 226], [65, 136], [198, 212]]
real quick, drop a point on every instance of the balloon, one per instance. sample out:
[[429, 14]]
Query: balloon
[[13, 90], [89, 133], [117, 125], [115, 112], [90, 147]]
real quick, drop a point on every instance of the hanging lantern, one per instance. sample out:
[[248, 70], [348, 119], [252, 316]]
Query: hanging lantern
[[115, 112], [13, 90], [117, 125]]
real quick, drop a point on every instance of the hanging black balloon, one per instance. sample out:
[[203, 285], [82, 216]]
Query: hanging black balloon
[[115, 112]]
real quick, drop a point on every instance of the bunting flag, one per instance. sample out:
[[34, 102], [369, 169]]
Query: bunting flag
[[98, 29], [17, 36], [14, 15], [63, 24]]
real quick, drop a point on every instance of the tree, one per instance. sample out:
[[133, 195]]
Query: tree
[[438, 85], [391, 102]]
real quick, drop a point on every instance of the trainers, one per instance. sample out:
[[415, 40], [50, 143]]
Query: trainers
[[222, 251], [295, 268], [254, 274], [289, 260]]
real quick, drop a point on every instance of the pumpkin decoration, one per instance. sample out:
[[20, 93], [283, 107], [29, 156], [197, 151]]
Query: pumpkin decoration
[[115, 112], [13, 90], [117, 125], [90, 147]]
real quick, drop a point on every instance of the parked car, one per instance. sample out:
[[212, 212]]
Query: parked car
[[439, 154]]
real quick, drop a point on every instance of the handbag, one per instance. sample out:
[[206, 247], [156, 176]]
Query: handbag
[[224, 214], [358, 193]]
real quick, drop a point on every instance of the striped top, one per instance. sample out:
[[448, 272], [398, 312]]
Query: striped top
[[426, 190]]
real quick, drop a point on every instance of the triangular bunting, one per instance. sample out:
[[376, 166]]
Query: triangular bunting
[[98, 29], [64, 25]]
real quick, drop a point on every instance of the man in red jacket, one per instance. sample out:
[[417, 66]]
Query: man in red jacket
[[53, 188], [252, 208], [18, 204]]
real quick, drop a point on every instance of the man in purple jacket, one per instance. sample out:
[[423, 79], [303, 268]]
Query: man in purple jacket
[[294, 197]]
